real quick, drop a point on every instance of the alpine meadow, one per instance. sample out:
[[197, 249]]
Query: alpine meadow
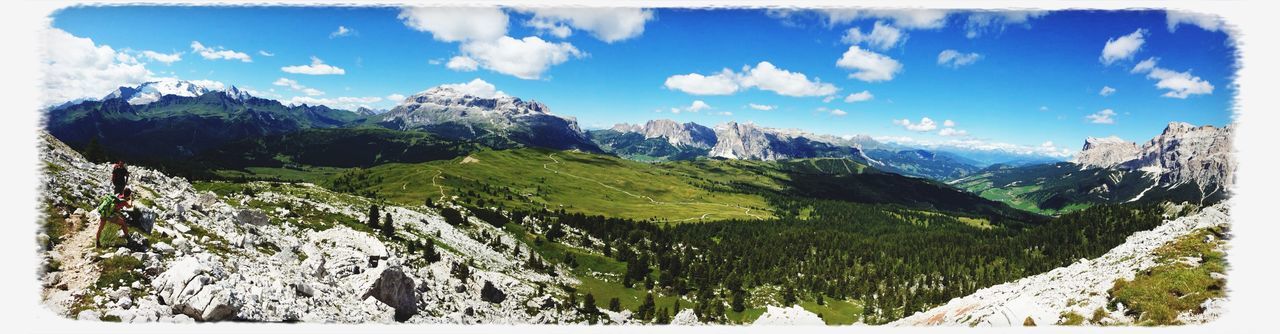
[[636, 166]]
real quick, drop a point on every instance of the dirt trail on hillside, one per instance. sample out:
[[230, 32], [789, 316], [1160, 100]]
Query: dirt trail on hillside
[[78, 262]]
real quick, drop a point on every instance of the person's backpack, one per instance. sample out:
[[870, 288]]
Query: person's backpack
[[106, 206]]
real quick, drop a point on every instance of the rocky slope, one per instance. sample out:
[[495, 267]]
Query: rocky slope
[[275, 252], [1181, 154], [1081, 288], [677, 134], [450, 112]]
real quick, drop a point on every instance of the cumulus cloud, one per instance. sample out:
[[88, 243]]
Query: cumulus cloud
[[904, 18], [926, 124], [317, 67], [868, 66], [952, 132], [297, 87], [166, 58], [981, 22], [457, 24], [1107, 91], [882, 36], [606, 24], [1179, 85], [264, 53], [722, 113], [343, 102], [1123, 47], [764, 76], [478, 88], [1102, 117], [761, 107], [462, 64], [525, 58], [956, 59], [838, 112], [395, 97], [859, 97], [341, 32], [76, 68], [948, 123], [216, 53], [697, 106], [1207, 22]]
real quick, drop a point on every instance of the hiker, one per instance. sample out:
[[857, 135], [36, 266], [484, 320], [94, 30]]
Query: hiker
[[119, 177], [112, 209]]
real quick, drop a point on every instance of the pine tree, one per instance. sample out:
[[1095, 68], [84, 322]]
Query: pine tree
[[615, 304], [429, 252], [95, 152], [388, 229], [589, 304], [737, 303], [373, 216]]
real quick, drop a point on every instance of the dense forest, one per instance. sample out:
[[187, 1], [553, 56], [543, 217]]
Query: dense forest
[[895, 260]]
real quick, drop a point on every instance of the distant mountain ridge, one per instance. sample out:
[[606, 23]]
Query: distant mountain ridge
[[452, 113], [1181, 154]]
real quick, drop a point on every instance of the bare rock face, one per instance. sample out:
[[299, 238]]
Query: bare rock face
[[1106, 152], [1182, 154], [745, 141], [395, 289], [252, 217], [190, 287], [677, 134], [1186, 153]]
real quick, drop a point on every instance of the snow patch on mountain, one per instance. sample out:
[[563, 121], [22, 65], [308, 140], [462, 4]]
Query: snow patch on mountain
[[788, 316], [152, 91]]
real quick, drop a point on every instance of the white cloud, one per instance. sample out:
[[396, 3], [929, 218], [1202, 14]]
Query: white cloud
[[956, 59], [76, 68], [926, 124], [980, 22], [209, 84], [1123, 47], [462, 64], [1180, 85], [1107, 91], [341, 32], [882, 36], [1044, 108], [868, 66], [344, 102], [457, 24], [478, 88], [317, 67], [761, 107], [904, 18], [1207, 22], [723, 83], [525, 58], [606, 24], [952, 132], [948, 123], [1102, 117], [838, 112], [697, 106], [764, 76], [859, 97], [217, 53], [395, 98], [266, 54], [1145, 65], [167, 59], [722, 113], [294, 85]]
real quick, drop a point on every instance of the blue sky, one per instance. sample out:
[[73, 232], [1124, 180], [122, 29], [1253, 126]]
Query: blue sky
[[1019, 78]]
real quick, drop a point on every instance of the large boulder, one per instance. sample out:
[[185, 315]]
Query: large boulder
[[395, 289], [252, 217], [190, 287]]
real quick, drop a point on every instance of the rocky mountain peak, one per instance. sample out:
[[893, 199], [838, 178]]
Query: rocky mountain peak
[[677, 134], [1106, 152], [152, 91]]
